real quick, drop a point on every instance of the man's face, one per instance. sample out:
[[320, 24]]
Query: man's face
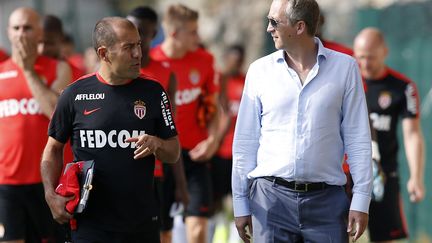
[[147, 31], [50, 44], [24, 25], [232, 61], [371, 58], [279, 27], [125, 55], [187, 35]]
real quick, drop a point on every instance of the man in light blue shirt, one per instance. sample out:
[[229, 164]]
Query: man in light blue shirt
[[302, 108]]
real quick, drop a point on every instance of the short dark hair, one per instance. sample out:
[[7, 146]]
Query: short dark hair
[[238, 48], [304, 10], [104, 34], [68, 39], [51, 23], [144, 13]]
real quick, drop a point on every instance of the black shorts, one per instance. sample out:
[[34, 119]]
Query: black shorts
[[221, 177], [199, 187], [386, 219], [165, 188], [25, 214], [89, 234]]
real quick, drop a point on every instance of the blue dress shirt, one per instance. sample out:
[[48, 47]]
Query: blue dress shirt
[[300, 132]]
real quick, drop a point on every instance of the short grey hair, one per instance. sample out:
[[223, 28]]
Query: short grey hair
[[304, 10]]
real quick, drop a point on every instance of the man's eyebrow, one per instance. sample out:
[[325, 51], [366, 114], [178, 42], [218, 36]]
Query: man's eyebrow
[[127, 43], [130, 43]]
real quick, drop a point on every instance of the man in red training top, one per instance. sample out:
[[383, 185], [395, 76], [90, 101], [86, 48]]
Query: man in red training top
[[29, 88], [195, 75]]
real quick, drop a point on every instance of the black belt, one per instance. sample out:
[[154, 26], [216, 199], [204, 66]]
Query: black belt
[[296, 186]]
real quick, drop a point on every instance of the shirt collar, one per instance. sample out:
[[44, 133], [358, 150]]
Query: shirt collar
[[322, 52]]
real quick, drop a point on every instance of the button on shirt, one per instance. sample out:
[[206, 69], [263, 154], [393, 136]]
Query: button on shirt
[[300, 132]]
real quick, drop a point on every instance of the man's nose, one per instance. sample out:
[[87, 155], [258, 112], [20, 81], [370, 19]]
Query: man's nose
[[21, 32], [270, 28], [136, 52]]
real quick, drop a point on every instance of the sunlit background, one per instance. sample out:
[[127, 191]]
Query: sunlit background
[[406, 25]]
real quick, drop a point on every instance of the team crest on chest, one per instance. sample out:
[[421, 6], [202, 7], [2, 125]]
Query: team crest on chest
[[166, 64], [384, 100], [140, 109], [194, 76]]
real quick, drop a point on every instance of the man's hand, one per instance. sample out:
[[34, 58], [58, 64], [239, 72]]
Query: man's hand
[[357, 223], [145, 144], [204, 150], [416, 190], [57, 205], [241, 223], [27, 53]]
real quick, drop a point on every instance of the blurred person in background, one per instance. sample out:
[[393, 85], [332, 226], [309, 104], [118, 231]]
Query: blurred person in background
[[91, 60], [69, 53], [50, 46], [3, 55], [232, 80], [195, 75], [170, 179], [328, 43], [29, 88], [51, 43], [391, 96], [336, 46]]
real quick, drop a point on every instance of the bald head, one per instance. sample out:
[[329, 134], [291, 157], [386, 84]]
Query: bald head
[[370, 50], [24, 14], [106, 31], [370, 37], [24, 23]]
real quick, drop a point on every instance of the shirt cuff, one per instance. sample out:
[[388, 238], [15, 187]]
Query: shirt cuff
[[360, 203], [241, 207]]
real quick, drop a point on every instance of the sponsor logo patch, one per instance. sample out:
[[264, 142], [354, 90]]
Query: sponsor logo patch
[[381, 122], [166, 112], [9, 74], [113, 139], [88, 112], [411, 96], [13, 107], [187, 96], [99, 96]]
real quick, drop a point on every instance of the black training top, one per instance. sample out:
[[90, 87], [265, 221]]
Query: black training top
[[98, 117], [389, 98]]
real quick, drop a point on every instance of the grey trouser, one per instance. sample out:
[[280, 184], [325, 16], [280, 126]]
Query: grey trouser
[[280, 214]]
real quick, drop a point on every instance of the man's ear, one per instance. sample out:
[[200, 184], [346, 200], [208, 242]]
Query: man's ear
[[155, 31], [173, 32], [386, 51], [102, 53], [300, 27]]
